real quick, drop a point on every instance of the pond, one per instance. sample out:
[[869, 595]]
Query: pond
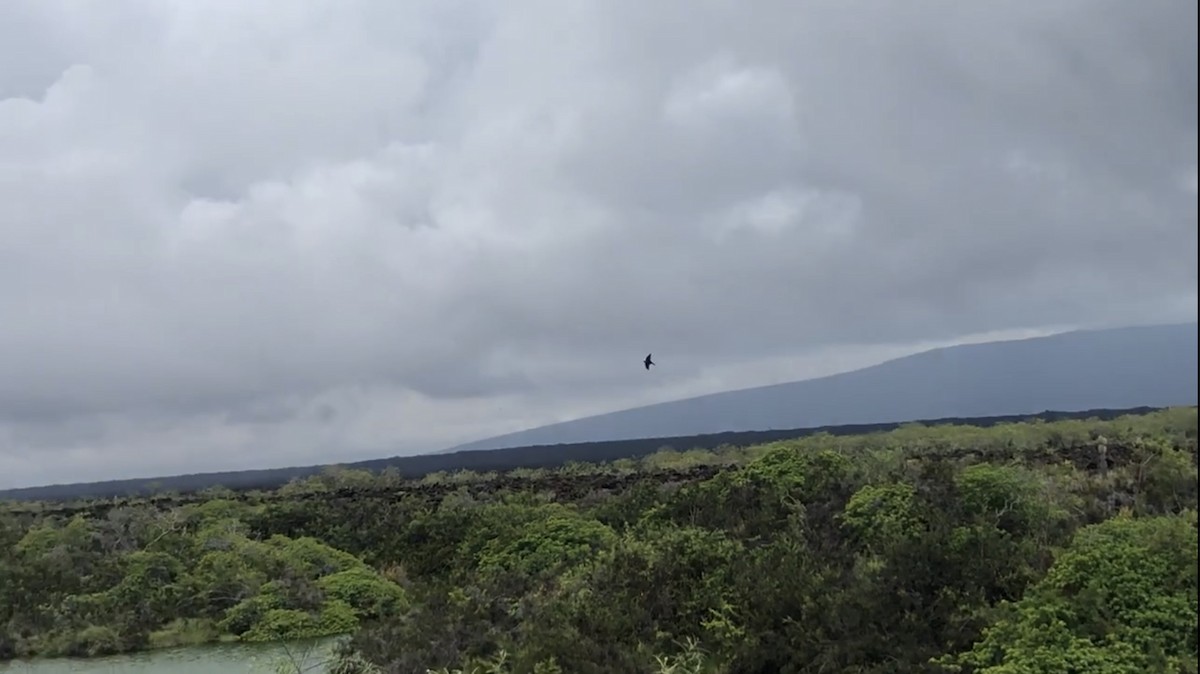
[[212, 659]]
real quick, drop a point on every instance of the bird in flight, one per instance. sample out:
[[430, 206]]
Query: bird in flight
[[648, 362]]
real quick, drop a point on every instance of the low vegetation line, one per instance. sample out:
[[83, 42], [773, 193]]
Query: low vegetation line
[[505, 459]]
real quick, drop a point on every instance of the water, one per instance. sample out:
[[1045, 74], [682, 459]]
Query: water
[[308, 658]]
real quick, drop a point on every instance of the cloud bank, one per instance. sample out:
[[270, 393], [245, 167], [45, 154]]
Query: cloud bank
[[245, 234]]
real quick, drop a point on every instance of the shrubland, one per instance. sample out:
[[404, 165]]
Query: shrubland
[[1016, 549]]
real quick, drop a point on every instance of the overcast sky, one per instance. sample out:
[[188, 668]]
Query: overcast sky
[[252, 233]]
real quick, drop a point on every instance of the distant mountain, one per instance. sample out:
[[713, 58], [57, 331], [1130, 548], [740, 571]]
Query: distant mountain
[[1115, 368], [485, 460], [1101, 374]]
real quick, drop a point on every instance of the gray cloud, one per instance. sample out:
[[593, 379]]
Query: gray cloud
[[248, 234]]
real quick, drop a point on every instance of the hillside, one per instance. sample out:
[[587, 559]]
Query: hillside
[[1072, 375], [1116, 368], [509, 458]]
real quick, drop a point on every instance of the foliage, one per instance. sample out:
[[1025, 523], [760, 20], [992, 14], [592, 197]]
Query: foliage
[[1120, 599], [1016, 549]]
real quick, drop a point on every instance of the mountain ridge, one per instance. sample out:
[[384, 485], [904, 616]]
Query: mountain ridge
[[1053, 365], [1077, 374], [531, 456]]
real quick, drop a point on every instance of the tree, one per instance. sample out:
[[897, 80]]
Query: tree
[[1120, 600]]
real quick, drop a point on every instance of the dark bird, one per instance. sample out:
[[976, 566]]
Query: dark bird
[[647, 362]]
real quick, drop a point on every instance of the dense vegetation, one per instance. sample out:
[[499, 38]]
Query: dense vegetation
[[1017, 549]]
